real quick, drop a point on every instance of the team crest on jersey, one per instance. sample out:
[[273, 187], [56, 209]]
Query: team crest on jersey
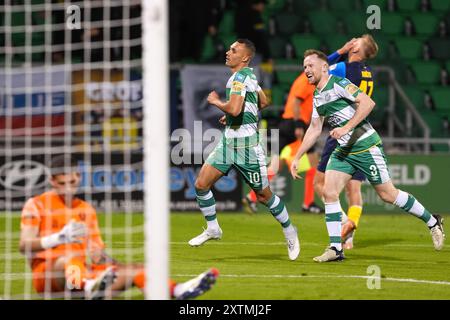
[[237, 86], [351, 88], [334, 121], [239, 77], [344, 82]]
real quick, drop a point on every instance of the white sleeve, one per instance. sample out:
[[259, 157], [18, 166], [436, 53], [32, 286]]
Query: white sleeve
[[314, 113]]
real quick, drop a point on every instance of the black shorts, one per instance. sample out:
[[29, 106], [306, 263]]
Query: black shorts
[[330, 145]]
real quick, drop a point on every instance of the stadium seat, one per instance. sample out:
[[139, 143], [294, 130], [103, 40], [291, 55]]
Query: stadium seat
[[286, 77], [440, 48], [323, 22], [408, 5], [226, 25], [441, 99], [279, 94], [416, 95], [335, 42], [277, 46], [355, 23], [381, 3], [426, 73], [17, 18], [302, 6], [434, 122], [409, 48], [440, 5], [304, 42], [384, 48], [288, 23], [38, 18], [392, 24], [294, 62], [208, 49], [381, 98], [447, 66], [341, 6], [274, 6], [425, 24], [18, 39]]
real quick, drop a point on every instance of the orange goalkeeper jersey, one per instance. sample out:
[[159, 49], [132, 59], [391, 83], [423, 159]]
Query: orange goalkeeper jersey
[[48, 212]]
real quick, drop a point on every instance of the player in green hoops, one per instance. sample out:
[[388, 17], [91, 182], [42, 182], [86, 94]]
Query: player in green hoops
[[240, 148], [359, 147]]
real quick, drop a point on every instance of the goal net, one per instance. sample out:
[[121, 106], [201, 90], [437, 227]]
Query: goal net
[[71, 83]]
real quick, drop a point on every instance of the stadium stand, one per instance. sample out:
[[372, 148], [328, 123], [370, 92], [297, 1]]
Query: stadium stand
[[413, 41]]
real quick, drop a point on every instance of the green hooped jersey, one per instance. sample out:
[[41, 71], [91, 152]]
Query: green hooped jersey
[[245, 125], [336, 102]]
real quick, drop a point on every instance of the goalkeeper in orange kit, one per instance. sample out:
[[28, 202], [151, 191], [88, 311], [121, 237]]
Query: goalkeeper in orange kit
[[59, 233]]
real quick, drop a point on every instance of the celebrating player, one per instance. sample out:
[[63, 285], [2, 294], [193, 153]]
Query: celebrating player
[[359, 73], [59, 232], [240, 148], [296, 116], [360, 147]]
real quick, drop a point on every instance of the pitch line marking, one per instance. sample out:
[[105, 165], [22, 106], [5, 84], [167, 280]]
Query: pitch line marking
[[18, 276], [447, 283], [224, 243]]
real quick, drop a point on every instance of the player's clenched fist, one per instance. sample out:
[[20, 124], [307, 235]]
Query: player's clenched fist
[[337, 133], [213, 97]]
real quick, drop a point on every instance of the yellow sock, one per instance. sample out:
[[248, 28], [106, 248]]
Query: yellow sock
[[354, 213]]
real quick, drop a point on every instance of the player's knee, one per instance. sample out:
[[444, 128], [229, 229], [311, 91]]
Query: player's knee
[[386, 196], [200, 184], [318, 184], [330, 195], [263, 198]]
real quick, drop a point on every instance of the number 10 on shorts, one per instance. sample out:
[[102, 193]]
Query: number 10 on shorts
[[254, 177]]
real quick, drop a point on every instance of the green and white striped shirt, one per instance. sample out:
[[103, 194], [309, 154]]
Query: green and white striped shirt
[[245, 125], [336, 102]]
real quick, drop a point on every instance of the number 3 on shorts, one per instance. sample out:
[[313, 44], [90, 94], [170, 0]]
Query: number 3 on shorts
[[254, 177], [373, 170]]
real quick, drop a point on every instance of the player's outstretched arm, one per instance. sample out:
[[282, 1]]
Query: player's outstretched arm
[[310, 138], [232, 107], [365, 105]]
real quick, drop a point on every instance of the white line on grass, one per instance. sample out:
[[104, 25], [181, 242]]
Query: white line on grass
[[224, 243], [447, 283], [19, 276]]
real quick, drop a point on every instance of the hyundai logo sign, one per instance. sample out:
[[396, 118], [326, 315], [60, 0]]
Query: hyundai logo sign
[[23, 175]]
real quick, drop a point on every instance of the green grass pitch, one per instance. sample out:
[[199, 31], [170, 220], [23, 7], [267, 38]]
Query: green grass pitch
[[253, 262]]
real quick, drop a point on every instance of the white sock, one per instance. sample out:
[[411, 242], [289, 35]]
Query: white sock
[[213, 225], [333, 217], [411, 205]]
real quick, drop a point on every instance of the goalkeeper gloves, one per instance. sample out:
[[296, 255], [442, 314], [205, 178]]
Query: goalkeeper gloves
[[73, 232]]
